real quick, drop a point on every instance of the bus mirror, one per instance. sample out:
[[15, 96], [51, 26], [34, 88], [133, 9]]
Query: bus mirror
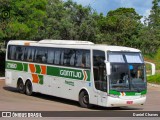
[[108, 68]]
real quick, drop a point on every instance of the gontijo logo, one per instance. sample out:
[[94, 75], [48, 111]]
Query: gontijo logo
[[82, 74], [69, 73]]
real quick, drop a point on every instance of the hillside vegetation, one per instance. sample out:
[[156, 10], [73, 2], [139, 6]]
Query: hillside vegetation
[[56, 19], [154, 59]]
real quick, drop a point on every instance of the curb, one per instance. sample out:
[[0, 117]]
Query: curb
[[153, 85], [2, 78]]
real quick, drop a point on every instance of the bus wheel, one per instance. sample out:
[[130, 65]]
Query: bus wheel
[[28, 87], [84, 99], [20, 86]]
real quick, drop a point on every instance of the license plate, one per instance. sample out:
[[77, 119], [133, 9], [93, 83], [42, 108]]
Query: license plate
[[129, 102]]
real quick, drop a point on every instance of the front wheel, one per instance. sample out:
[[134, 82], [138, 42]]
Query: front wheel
[[28, 88], [84, 99]]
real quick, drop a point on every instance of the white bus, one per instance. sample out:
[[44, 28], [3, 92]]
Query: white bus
[[109, 76]]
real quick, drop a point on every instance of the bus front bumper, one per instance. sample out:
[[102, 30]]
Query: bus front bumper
[[131, 101]]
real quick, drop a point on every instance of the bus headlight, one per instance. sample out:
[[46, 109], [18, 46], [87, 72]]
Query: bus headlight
[[115, 96], [143, 95]]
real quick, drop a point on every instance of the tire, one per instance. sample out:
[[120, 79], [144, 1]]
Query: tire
[[21, 87], [29, 89], [84, 99]]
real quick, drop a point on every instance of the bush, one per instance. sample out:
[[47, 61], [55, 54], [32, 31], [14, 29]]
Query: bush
[[157, 56], [154, 79]]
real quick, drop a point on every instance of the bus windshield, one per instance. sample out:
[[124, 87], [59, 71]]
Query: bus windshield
[[127, 71]]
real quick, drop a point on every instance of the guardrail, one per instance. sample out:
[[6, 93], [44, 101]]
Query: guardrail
[[153, 67]]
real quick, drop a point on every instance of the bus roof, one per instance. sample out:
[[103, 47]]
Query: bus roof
[[64, 42], [72, 44]]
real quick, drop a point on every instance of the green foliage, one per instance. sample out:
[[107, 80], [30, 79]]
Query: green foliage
[[26, 18], [56, 19], [154, 58], [154, 79], [150, 34], [69, 21], [121, 27], [157, 56]]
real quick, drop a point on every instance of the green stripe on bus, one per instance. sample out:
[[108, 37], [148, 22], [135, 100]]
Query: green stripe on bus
[[14, 66], [40, 79], [53, 71], [114, 92], [25, 67], [67, 73], [38, 69]]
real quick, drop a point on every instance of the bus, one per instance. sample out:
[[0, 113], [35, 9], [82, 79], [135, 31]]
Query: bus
[[92, 74]]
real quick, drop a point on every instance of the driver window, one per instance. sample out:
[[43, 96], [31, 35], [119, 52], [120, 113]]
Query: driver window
[[99, 70]]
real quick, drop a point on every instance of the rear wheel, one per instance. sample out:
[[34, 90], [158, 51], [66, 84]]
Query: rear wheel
[[28, 87], [84, 99], [21, 87]]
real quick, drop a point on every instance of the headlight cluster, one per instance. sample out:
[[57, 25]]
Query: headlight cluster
[[115, 96], [143, 95]]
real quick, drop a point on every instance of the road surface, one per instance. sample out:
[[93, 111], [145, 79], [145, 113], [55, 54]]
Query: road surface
[[12, 100]]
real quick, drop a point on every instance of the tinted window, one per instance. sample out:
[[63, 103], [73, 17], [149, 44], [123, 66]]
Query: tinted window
[[19, 53], [40, 55], [99, 70], [78, 58], [12, 52], [69, 57], [50, 55], [82, 58], [57, 56], [98, 57]]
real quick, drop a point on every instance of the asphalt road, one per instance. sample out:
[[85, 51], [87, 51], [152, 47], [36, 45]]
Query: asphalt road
[[12, 100]]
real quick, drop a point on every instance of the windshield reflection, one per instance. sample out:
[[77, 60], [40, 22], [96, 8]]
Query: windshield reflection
[[127, 75]]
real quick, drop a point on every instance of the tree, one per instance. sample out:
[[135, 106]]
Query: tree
[[154, 17], [68, 20], [121, 27], [150, 34], [25, 19]]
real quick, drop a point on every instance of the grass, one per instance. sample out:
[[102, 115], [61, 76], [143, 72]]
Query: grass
[[154, 79], [154, 59]]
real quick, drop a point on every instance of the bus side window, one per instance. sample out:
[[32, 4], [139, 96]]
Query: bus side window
[[88, 60], [30, 54], [41, 55], [99, 70], [72, 58], [50, 56], [19, 52], [78, 58], [82, 58], [24, 56], [57, 56], [69, 57], [12, 52]]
